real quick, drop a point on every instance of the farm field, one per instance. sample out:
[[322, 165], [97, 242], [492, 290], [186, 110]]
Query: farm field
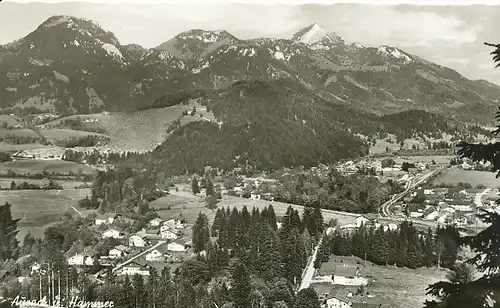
[[454, 176], [38, 209], [12, 148], [38, 166], [402, 287]]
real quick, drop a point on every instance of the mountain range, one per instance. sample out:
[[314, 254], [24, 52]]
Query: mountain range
[[71, 65], [306, 100]]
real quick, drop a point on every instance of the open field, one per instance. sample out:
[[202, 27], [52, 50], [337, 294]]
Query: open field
[[183, 203], [439, 159], [139, 131], [22, 132], [66, 184], [10, 120], [454, 176], [12, 148], [38, 209], [63, 133], [38, 166], [402, 287]]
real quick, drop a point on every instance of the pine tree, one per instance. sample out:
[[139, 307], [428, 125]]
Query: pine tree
[[195, 186], [201, 233], [241, 286], [209, 187], [9, 249], [153, 289], [140, 294], [217, 223], [270, 263]]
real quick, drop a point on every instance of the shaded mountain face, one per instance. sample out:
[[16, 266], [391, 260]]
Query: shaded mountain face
[[71, 65]]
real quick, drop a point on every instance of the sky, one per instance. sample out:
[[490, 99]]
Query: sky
[[451, 36]]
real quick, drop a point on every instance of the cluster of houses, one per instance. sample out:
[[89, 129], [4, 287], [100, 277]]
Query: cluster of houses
[[161, 242], [447, 206], [351, 167]]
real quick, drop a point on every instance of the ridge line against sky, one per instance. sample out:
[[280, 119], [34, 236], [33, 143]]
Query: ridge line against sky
[[451, 36]]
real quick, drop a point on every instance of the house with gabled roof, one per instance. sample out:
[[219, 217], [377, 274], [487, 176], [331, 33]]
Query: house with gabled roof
[[335, 300], [107, 218], [158, 254], [138, 239], [132, 269], [113, 233]]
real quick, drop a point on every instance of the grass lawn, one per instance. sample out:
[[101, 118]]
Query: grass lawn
[[39, 209], [38, 166], [454, 176], [22, 132], [12, 148], [402, 287]]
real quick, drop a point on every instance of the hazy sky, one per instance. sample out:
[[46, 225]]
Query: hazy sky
[[448, 35]]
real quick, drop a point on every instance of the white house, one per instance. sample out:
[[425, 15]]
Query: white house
[[168, 235], [157, 254], [137, 240], [117, 252], [335, 301], [365, 219], [416, 214], [255, 196], [173, 224], [174, 246], [84, 258], [105, 219], [133, 268], [155, 222], [391, 226], [112, 233]]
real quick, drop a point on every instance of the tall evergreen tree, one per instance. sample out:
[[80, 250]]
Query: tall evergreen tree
[[201, 233], [153, 289], [241, 286], [195, 188], [209, 187], [140, 294]]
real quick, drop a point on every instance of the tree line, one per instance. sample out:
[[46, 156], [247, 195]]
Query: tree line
[[405, 247]]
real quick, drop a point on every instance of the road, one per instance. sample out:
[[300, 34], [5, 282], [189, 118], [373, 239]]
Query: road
[[308, 275], [385, 209], [138, 255]]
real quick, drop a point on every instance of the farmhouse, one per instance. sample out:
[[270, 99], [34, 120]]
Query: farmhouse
[[133, 268], [112, 233], [336, 301], [365, 220], [84, 258], [105, 219], [22, 154]]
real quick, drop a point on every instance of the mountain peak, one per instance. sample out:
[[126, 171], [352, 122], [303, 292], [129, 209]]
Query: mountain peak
[[314, 34], [310, 35]]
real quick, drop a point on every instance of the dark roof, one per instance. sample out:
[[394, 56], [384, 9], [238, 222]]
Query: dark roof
[[345, 271], [370, 216]]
